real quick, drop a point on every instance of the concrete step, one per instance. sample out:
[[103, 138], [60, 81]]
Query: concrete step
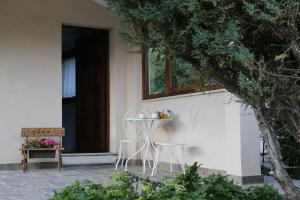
[[73, 159]]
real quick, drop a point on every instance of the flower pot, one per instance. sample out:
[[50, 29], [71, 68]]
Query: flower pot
[[41, 154]]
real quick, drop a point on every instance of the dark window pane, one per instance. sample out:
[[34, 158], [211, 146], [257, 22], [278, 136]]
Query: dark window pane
[[156, 72], [185, 76]]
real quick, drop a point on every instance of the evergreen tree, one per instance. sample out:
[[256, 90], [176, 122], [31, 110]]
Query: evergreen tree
[[250, 47]]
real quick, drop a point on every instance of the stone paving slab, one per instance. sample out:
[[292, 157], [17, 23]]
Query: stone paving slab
[[39, 184]]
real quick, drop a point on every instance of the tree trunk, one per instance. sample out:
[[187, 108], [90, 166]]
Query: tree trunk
[[280, 173]]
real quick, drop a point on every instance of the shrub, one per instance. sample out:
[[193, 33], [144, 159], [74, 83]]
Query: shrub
[[188, 186], [264, 170], [263, 192]]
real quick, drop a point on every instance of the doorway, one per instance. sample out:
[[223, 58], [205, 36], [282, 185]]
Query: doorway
[[85, 82]]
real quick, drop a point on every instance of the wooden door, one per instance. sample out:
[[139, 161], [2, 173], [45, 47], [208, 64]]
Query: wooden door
[[92, 88]]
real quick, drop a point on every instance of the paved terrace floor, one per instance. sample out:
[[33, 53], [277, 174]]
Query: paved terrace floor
[[40, 184]]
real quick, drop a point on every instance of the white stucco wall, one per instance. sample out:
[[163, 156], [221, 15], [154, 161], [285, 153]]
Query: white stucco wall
[[199, 123], [242, 139], [30, 66], [250, 142], [219, 132]]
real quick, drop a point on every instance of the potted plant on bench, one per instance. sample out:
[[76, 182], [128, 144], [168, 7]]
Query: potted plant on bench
[[41, 148], [38, 145]]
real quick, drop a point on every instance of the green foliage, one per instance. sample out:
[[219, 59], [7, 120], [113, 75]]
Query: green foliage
[[184, 74], [290, 148], [263, 192], [264, 170], [157, 72], [124, 188], [223, 39], [80, 191], [249, 47], [190, 178], [188, 186], [294, 172]]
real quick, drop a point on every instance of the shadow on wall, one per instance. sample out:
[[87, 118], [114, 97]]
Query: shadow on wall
[[187, 127], [193, 150], [178, 126], [173, 126]]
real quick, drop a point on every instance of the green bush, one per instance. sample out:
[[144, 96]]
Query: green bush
[[188, 186], [264, 170]]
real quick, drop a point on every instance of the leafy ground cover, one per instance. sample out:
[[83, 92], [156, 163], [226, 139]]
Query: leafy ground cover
[[188, 186]]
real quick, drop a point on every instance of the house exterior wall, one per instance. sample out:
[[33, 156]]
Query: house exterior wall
[[30, 66], [218, 134], [242, 139], [199, 123]]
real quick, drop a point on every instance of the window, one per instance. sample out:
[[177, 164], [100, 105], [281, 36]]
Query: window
[[162, 78], [156, 71], [69, 78]]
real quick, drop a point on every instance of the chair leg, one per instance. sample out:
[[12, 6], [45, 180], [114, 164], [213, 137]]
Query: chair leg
[[119, 156], [156, 160], [142, 156], [145, 158], [180, 152], [142, 152], [124, 146], [149, 163]]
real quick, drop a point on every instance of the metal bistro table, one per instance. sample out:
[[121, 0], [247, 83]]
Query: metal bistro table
[[149, 126]]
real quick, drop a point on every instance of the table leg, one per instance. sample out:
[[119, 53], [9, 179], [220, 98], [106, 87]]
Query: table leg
[[148, 135], [140, 149], [146, 155]]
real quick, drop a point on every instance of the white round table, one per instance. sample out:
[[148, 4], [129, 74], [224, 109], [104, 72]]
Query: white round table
[[149, 125]]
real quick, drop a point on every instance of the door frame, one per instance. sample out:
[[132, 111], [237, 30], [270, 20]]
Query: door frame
[[107, 74]]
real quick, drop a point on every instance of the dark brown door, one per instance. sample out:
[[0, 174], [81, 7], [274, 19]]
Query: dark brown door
[[92, 89]]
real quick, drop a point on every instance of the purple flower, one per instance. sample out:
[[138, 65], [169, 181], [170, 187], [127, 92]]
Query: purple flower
[[49, 142]]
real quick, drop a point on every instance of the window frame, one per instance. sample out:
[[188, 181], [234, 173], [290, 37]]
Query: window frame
[[170, 91]]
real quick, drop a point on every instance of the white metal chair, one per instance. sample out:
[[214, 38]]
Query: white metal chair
[[139, 140], [159, 145]]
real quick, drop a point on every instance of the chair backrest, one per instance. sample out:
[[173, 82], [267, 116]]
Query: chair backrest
[[132, 114]]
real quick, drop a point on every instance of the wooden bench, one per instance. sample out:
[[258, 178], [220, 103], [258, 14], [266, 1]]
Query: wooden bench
[[30, 133]]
